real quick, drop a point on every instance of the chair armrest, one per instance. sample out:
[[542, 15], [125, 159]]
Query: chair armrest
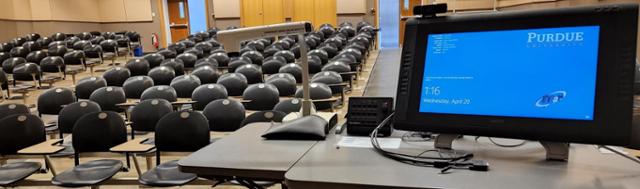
[[348, 73], [43, 148], [127, 104], [338, 85], [332, 99], [180, 103], [133, 146]]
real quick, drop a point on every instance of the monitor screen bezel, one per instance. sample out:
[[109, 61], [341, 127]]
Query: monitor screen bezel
[[528, 68], [609, 107]]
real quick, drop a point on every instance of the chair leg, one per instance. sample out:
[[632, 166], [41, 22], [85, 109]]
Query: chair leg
[[2, 91], [149, 162], [35, 83], [128, 160], [24, 99], [136, 164], [47, 162]]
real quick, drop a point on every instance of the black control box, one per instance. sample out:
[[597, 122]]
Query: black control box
[[366, 113]]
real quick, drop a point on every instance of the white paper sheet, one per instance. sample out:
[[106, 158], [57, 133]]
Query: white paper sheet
[[365, 142], [607, 151]]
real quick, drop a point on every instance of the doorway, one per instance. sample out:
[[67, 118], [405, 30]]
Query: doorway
[[317, 12], [186, 17], [178, 19], [261, 12], [406, 9]]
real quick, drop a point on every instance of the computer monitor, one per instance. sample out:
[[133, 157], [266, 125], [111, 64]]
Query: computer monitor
[[558, 75]]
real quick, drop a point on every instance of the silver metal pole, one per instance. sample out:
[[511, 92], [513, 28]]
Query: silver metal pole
[[306, 101]]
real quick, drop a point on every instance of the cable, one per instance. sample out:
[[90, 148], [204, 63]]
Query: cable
[[444, 163], [421, 137], [616, 151], [504, 145]]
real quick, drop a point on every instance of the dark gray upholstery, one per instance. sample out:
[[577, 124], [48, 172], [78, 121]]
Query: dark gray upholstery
[[184, 85], [255, 56], [8, 109], [162, 75], [207, 93], [88, 174], [14, 172], [293, 69], [94, 132], [116, 76], [221, 57], [272, 64], [261, 96], [318, 91], [224, 114], [87, 85], [108, 97], [160, 92], [154, 59], [176, 64], [289, 105], [206, 74], [264, 116], [51, 101], [146, 114], [134, 86], [9, 64], [70, 114], [252, 72], [166, 174], [285, 82], [234, 83], [138, 66]]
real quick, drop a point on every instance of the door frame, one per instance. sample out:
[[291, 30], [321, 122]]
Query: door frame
[[165, 21]]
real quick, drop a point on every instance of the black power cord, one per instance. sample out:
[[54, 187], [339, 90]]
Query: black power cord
[[462, 161]]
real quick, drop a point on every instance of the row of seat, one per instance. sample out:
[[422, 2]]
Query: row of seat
[[29, 58], [158, 95]]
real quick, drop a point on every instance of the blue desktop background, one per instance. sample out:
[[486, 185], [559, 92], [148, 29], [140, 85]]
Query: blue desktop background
[[502, 73]]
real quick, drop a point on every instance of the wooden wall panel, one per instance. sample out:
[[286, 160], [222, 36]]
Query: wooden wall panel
[[6, 9], [112, 10], [75, 10], [273, 11], [303, 10], [252, 13], [138, 10], [325, 12], [226, 8], [288, 8], [21, 10], [351, 6], [40, 9]]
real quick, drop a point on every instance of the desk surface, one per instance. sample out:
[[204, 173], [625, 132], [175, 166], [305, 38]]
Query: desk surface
[[245, 154], [326, 166]]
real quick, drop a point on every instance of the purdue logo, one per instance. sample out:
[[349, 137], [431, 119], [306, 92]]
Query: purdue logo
[[534, 37]]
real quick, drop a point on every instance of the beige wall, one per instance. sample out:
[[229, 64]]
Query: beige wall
[[74, 16], [227, 12]]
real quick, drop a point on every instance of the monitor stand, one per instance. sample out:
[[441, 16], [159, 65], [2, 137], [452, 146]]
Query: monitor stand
[[445, 143], [556, 151]]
